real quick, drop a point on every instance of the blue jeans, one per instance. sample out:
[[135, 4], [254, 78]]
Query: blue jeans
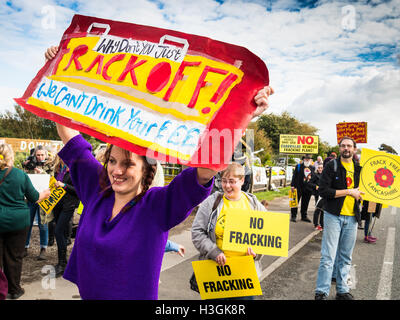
[[338, 240], [43, 229]]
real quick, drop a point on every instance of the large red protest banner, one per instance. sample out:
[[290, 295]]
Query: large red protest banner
[[355, 130], [169, 95]]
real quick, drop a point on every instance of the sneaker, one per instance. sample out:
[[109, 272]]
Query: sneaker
[[305, 219], [320, 296], [318, 228], [344, 296], [372, 238], [293, 219]]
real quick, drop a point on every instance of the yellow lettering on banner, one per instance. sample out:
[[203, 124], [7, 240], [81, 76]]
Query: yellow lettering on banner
[[380, 177], [265, 232], [237, 278], [55, 196]]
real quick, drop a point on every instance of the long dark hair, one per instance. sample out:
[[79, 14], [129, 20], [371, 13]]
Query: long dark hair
[[149, 170]]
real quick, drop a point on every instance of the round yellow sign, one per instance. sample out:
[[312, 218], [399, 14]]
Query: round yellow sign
[[380, 177]]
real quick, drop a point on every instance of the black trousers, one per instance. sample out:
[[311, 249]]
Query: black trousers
[[305, 197], [12, 245], [62, 220]]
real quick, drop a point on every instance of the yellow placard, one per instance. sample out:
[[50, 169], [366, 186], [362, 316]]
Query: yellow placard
[[55, 196], [380, 177], [237, 278], [293, 143], [293, 203], [265, 232]]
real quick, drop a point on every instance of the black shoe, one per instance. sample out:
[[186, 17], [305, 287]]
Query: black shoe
[[50, 243], [321, 296], [344, 296], [305, 219], [42, 254], [333, 280], [59, 269], [293, 219], [14, 296]]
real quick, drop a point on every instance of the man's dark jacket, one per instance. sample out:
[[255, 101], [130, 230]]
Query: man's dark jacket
[[298, 178], [332, 181]]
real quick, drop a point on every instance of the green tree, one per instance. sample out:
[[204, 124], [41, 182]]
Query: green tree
[[24, 124]]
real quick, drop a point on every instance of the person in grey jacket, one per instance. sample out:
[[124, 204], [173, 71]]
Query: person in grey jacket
[[208, 225]]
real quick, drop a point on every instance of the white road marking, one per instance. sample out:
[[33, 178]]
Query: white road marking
[[394, 209], [277, 263], [385, 283]]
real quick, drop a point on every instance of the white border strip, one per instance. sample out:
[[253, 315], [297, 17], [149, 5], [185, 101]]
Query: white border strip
[[385, 282]]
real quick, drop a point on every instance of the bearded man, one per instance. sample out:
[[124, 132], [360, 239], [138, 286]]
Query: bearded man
[[339, 188], [302, 174]]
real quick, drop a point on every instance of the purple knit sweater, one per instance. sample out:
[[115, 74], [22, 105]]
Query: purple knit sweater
[[121, 258]]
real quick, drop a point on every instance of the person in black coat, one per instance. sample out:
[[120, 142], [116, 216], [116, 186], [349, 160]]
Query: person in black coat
[[63, 213], [313, 186], [302, 174]]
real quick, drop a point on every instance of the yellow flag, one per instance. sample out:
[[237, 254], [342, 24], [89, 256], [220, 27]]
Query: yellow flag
[[237, 278], [380, 177]]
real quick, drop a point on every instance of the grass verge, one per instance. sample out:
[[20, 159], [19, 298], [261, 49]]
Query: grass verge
[[270, 195]]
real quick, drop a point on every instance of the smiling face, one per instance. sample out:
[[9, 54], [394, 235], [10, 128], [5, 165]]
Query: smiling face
[[125, 172], [232, 180], [232, 187], [347, 148]]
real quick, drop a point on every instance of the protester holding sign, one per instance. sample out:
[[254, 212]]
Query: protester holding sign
[[208, 225], [339, 188], [39, 163], [124, 227], [63, 212], [14, 218]]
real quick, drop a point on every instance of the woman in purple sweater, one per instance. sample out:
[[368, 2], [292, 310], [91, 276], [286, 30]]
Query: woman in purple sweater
[[124, 226]]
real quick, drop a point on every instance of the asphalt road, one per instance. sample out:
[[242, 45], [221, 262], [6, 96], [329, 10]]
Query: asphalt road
[[375, 272]]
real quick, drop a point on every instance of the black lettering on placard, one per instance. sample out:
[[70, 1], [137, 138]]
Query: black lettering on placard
[[224, 270], [256, 223], [228, 285]]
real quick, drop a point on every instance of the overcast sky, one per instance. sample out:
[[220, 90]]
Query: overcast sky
[[329, 61]]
